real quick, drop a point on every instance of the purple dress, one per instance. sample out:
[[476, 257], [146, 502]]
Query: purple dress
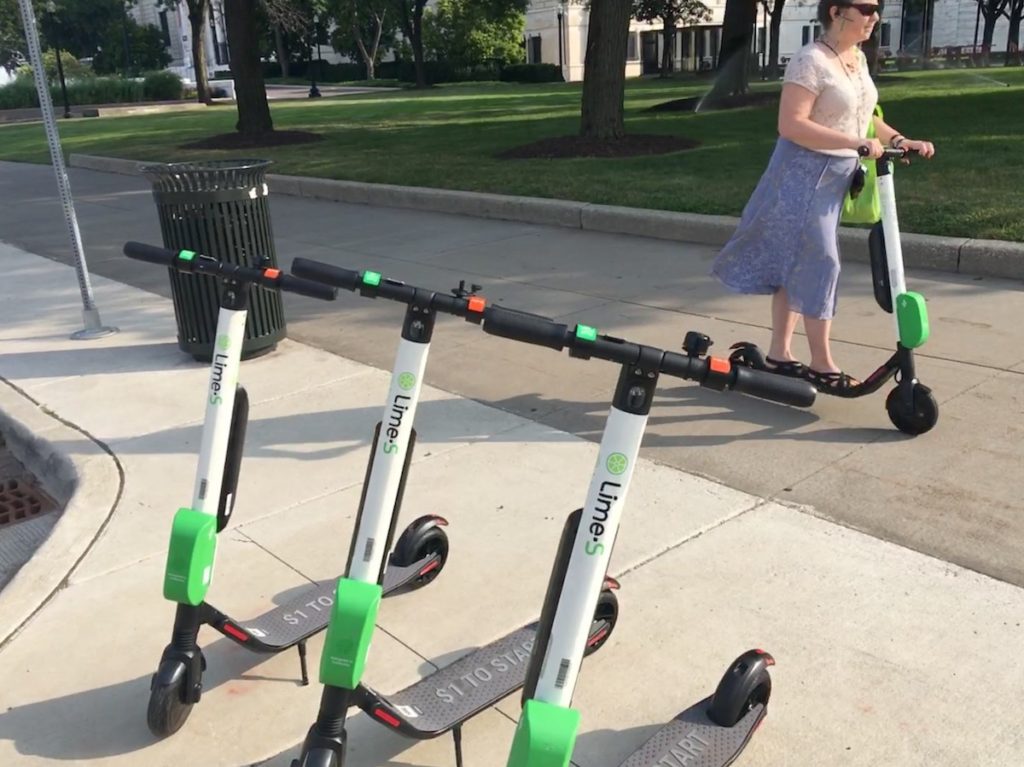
[[788, 236]]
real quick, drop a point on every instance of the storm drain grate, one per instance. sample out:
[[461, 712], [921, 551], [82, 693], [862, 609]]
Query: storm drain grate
[[21, 500]]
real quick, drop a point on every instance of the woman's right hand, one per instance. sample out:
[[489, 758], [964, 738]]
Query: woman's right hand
[[875, 148]]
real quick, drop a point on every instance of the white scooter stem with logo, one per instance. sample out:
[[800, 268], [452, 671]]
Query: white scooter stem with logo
[[220, 403], [370, 542], [588, 564]]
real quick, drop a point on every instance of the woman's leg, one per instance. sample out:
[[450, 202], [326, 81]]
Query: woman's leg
[[783, 324], [821, 352], [818, 340]]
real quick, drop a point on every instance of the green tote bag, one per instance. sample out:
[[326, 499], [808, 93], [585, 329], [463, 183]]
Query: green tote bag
[[866, 207]]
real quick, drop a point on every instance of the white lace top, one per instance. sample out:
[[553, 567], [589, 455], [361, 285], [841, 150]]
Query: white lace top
[[844, 101]]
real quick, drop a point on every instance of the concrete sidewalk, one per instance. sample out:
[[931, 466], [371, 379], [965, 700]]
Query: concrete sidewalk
[[885, 655], [947, 493]]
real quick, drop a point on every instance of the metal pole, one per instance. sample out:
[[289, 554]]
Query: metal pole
[[90, 313]]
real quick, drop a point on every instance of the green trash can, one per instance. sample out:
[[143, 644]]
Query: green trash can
[[219, 208]]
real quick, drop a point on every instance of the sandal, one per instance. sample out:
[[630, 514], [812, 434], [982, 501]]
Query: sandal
[[791, 368], [838, 384]]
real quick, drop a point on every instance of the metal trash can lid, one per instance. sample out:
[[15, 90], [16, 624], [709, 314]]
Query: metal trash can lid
[[206, 175]]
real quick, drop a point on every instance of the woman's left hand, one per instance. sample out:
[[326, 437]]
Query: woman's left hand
[[924, 148]]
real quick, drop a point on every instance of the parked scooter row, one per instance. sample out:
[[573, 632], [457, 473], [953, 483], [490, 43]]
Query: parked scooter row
[[544, 657]]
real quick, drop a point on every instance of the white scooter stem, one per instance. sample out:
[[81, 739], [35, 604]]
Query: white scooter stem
[[588, 563], [893, 246], [389, 456], [220, 404]]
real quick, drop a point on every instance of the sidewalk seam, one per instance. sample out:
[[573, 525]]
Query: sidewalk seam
[[694, 535], [62, 584]]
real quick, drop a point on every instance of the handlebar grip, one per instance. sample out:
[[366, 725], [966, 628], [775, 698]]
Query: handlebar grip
[[521, 326], [336, 276], [150, 253], [888, 153], [307, 287], [771, 386]]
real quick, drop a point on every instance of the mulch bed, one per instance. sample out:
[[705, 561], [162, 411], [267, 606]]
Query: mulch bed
[[631, 145], [722, 102], [237, 141]]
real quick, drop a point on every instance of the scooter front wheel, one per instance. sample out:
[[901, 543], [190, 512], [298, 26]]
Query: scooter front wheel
[[915, 417], [605, 616], [318, 757], [167, 710]]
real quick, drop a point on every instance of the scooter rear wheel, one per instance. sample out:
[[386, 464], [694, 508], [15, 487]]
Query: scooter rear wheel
[[916, 419], [166, 713], [421, 539], [746, 684]]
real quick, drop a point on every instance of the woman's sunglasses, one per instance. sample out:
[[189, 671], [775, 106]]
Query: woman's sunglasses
[[864, 9]]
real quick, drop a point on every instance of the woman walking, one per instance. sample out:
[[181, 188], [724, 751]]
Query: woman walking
[[787, 243]]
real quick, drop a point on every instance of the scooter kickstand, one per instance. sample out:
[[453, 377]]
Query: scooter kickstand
[[302, 662], [457, 737]]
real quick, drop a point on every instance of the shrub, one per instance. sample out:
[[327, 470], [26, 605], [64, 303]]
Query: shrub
[[162, 86]]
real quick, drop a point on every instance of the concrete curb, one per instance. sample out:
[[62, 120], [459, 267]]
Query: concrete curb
[[82, 475], [980, 258]]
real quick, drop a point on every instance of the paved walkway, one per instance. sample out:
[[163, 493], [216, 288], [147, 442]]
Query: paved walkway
[[885, 655], [946, 493]]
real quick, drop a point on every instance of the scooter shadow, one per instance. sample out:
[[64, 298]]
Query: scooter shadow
[[607, 748], [369, 745], [111, 721]]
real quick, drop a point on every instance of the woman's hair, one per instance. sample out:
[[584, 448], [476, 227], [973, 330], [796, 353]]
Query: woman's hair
[[824, 8]]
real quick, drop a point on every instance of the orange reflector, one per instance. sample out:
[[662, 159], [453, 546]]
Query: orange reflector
[[272, 273], [476, 304], [719, 365]]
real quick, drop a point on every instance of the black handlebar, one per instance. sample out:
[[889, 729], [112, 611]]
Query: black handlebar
[[460, 303], [187, 261], [888, 153], [585, 342]]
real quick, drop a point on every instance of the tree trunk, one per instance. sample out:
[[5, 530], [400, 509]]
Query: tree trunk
[[734, 54], [412, 28], [870, 49], [1013, 34], [668, 43], [197, 15], [250, 89], [991, 11], [604, 70], [357, 33], [774, 29], [416, 40], [283, 57]]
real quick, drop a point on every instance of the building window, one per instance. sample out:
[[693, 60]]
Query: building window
[[165, 28], [533, 55], [633, 47], [810, 32], [886, 34]]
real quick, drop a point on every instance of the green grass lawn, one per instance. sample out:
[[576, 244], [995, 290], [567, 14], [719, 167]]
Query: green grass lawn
[[448, 137]]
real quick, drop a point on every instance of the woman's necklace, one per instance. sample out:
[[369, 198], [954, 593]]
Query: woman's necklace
[[849, 70], [849, 66]]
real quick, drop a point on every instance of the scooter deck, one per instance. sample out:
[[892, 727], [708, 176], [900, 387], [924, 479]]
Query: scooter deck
[[308, 613], [692, 739], [457, 692]]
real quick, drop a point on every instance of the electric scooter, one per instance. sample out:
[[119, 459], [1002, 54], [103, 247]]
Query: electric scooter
[[443, 701], [713, 732], [911, 406], [418, 557]]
